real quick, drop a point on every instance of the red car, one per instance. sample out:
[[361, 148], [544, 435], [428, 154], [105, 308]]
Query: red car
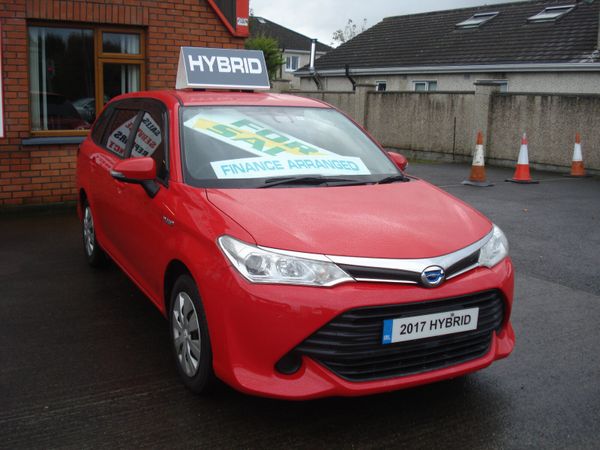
[[291, 255]]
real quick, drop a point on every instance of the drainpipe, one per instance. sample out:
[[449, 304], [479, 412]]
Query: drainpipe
[[313, 71], [350, 78], [313, 53]]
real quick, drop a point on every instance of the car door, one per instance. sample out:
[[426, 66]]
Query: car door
[[105, 191], [144, 222]]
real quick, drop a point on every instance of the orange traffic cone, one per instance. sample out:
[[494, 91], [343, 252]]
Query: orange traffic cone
[[577, 169], [522, 175], [477, 177]]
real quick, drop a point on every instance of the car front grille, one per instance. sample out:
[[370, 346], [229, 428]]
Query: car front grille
[[351, 344], [381, 275]]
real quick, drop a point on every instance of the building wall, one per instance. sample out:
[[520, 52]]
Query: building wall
[[567, 82], [344, 101], [35, 174], [437, 122], [285, 75], [304, 59], [551, 122], [443, 125]]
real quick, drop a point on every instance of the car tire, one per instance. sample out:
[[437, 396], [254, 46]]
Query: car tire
[[93, 252], [190, 340]]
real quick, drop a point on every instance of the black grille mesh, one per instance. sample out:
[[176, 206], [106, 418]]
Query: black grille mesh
[[350, 345]]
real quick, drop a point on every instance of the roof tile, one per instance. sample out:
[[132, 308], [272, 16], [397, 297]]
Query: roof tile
[[431, 39]]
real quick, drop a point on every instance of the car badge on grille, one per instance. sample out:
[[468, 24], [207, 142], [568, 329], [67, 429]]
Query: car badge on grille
[[433, 276]]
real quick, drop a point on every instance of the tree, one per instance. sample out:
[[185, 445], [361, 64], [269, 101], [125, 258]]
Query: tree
[[348, 32], [270, 48]]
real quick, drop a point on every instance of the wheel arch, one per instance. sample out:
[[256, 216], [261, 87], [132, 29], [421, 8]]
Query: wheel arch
[[82, 197], [174, 270]]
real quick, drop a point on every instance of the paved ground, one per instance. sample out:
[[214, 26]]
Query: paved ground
[[84, 359]]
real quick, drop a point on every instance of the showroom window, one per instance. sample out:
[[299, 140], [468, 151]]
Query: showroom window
[[73, 72]]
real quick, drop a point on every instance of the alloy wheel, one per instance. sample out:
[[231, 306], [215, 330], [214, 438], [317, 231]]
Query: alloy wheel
[[186, 334], [89, 236]]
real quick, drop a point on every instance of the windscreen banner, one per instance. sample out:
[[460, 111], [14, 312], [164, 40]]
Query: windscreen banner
[[276, 153]]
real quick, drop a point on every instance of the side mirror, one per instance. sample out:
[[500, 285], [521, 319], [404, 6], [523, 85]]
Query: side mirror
[[140, 171], [399, 160]]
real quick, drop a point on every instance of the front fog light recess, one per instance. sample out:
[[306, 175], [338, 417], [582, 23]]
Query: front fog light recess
[[260, 265], [494, 250]]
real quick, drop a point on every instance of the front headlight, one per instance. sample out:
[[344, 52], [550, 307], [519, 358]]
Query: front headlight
[[262, 266], [494, 250]]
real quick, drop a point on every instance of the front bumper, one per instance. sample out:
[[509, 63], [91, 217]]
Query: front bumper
[[253, 326]]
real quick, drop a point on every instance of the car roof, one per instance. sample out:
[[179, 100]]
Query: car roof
[[189, 97]]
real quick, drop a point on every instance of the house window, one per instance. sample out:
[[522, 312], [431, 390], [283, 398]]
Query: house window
[[291, 63], [73, 72], [551, 13], [477, 20], [425, 86], [381, 86]]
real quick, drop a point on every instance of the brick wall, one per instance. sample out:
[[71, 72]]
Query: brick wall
[[46, 174]]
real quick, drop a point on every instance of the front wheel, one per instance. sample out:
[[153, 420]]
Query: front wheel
[[93, 252], [189, 336]]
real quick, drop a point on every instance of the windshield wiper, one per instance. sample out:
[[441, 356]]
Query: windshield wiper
[[393, 179], [310, 181]]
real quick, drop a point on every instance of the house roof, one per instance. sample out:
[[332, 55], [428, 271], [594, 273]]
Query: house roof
[[434, 40], [288, 39]]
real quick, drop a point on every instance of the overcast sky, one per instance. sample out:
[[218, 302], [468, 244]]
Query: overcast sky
[[320, 18]]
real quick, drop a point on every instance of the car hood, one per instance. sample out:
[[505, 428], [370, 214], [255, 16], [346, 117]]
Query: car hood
[[398, 220]]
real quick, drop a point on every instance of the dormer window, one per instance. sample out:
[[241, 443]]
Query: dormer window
[[551, 13], [477, 20]]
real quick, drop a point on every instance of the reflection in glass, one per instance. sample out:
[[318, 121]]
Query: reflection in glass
[[61, 72], [121, 43], [120, 79]]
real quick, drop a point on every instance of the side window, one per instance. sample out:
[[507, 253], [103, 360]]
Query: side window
[[150, 139], [116, 137], [100, 126]]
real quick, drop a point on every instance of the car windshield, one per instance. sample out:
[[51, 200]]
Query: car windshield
[[252, 146]]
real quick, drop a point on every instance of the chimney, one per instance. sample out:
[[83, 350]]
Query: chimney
[[313, 51]]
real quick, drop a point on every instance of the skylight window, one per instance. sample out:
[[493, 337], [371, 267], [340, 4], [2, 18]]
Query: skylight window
[[261, 20], [477, 20], [551, 13]]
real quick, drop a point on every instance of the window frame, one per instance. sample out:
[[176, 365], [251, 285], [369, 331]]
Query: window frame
[[290, 59], [473, 22], [100, 58], [427, 83], [538, 18], [380, 83]]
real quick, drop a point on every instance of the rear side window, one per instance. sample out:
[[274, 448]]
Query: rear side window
[[118, 132], [100, 126]]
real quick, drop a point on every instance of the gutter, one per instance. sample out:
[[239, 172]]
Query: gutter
[[479, 68]]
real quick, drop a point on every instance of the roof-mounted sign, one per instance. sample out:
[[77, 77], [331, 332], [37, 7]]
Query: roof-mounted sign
[[218, 68]]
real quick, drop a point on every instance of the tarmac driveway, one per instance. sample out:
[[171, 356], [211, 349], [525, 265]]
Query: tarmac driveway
[[85, 360]]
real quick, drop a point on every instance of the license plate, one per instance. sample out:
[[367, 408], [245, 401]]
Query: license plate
[[429, 325]]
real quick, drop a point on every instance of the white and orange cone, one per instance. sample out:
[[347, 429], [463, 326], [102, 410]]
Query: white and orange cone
[[577, 169], [522, 174], [477, 177]]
